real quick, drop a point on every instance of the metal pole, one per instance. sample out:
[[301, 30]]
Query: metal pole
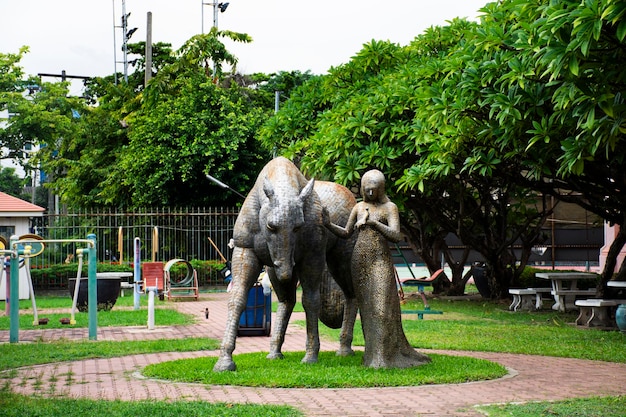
[[124, 40], [14, 295], [137, 269], [6, 264], [151, 292], [221, 184], [92, 302], [148, 73], [114, 47], [215, 26], [215, 14]]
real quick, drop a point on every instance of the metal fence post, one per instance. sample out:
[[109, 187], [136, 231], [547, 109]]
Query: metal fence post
[[92, 303]]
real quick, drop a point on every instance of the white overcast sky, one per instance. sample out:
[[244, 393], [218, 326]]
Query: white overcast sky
[[78, 35]]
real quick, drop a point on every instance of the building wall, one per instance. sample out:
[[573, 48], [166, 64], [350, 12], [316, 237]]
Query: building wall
[[20, 227]]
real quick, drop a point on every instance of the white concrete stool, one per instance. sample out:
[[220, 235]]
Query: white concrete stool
[[596, 312], [523, 299]]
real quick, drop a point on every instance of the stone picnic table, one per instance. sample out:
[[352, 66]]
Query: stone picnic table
[[565, 288]]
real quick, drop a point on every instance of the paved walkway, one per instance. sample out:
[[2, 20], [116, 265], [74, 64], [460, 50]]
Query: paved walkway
[[531, 378]]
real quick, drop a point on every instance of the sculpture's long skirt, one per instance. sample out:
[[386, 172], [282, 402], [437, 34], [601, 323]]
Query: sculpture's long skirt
[[376, 291]]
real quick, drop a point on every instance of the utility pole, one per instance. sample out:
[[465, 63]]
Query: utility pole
[[148, 74], [126, 34]]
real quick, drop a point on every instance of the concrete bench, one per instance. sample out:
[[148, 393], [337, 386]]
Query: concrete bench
[[574, 292], [596, 312], [523, 299], [126, 286], [565, 298], [542, 294]]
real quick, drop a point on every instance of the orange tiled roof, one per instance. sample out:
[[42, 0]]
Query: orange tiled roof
[[10, 204]]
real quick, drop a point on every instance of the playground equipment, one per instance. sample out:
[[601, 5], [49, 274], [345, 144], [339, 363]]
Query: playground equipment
[[30, 251], [152, 278], [152, 285], [225, 271], [79, 253], [420, 283], [22, 247], [142, 286], [185, 287], [120, 243], [137, 261]]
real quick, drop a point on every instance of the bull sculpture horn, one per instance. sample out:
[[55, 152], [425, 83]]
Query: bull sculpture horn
[[268, 188], [307, 190]]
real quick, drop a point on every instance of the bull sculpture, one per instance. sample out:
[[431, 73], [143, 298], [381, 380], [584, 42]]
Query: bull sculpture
[[280, 226]]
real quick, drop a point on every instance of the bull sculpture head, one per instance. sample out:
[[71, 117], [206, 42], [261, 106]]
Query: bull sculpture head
[[281, 219]]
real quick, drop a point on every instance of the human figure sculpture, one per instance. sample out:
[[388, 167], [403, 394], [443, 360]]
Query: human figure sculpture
[[280, 225], [376, 221]]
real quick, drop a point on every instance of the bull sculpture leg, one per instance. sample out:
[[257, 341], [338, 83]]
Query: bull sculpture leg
[[286, 295], [245, 271], [347, 328], [310, 281]]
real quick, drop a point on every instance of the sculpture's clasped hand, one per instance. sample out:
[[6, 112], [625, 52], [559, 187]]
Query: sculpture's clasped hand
[[364, 220]]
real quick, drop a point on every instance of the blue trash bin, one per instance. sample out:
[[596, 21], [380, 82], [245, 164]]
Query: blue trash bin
[[256, 319]]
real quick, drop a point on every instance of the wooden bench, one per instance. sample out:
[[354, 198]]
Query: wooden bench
[[420, 313], [523, 299], [596, 312]]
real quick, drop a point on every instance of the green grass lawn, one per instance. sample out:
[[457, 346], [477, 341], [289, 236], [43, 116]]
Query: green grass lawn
[[12, 405], [587, 407], [331, 371], [489, 326]]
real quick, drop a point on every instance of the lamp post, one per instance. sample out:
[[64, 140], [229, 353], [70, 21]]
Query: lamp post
[[224, 186], [221, 7]]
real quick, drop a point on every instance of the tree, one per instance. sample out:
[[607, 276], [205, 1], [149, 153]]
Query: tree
[[543, 83], [580, 56], [83, 166], [540, 92], [178, 139], [376, 112], [152, 145], [16, 95], [161, 56], [11, 183], [187, 126], [40, 113]]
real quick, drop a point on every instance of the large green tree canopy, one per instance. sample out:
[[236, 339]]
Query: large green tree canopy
[[38, 112], [469, 118], [152, 145]]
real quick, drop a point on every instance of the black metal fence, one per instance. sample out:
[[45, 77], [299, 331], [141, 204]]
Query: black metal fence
[[164, 234], [202, 234]]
